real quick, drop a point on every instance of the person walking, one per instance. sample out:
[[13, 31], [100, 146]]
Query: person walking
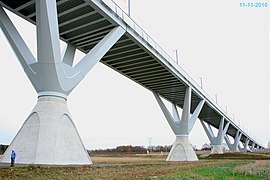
[[13, 156]]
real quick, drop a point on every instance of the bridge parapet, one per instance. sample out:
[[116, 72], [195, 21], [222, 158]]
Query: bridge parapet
[[145, 39]]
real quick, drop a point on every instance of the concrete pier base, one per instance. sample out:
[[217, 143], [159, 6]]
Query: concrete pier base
[[182, 150], [48, 136], [217, 149]]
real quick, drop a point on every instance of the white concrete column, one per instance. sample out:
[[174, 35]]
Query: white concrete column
[[216, 142], [253, 146], [246, 144], [256, 146], [49, 136], [68, 54], [181, 149], [233, 146], [240, 147]]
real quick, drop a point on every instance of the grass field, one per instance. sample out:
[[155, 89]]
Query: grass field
[[150, 167]]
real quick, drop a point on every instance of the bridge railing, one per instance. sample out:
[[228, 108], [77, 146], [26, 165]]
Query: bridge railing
[[144, 35], [138, 30]]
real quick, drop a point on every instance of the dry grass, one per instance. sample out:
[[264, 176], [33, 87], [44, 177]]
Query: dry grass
[[126, 167], [129, 171], [124, 160], [237, 155], [127, 158], [261, 167]]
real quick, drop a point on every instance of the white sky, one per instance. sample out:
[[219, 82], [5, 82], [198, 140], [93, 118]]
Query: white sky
[[226, 45]]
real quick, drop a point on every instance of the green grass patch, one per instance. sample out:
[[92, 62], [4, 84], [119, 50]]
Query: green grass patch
[[220, 171]]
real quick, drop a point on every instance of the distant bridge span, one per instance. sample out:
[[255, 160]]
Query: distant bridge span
[[105, 33]]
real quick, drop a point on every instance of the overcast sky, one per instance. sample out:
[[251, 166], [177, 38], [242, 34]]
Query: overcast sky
[[226, 45]]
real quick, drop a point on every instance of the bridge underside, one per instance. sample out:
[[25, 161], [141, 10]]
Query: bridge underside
[[84, 24]]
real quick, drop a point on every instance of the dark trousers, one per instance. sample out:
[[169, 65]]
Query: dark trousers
[[12, 161]]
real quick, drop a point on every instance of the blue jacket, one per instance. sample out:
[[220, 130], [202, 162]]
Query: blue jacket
[[13, 155]]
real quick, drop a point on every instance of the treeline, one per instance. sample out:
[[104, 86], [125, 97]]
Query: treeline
[[160, 148], [122, 149], [3, 148], [132, 149]]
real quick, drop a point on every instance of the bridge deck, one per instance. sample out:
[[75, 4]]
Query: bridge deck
[[85, 22]]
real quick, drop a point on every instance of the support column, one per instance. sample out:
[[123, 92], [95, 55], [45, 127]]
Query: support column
[[233, 146], [216, 142], [253, 146], [246, 145], [49, 136], [181, 149]]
